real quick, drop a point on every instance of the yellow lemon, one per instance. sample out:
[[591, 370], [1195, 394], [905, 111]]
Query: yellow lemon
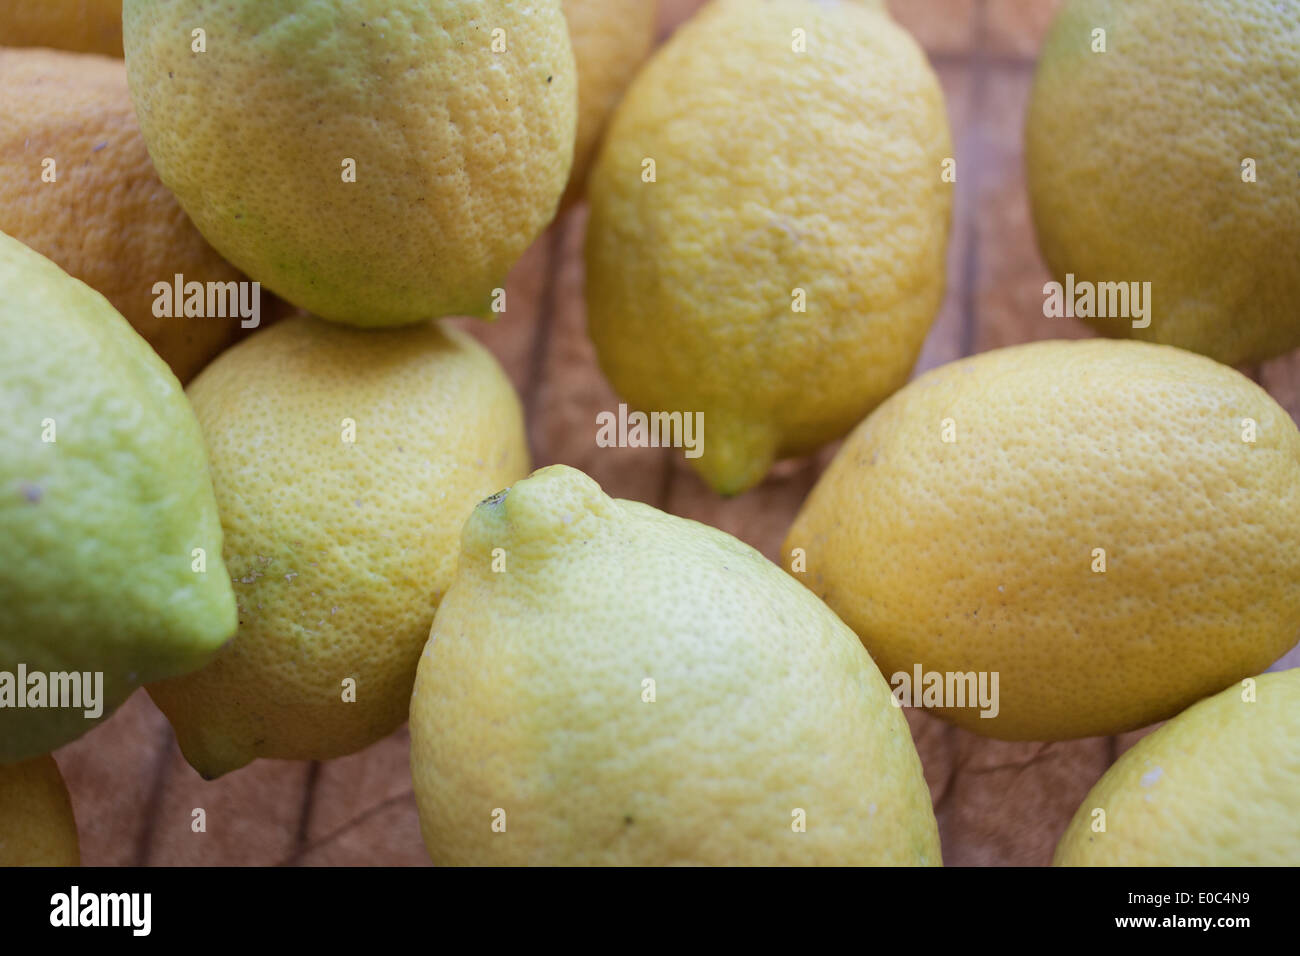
[[608, 684], [345, 462], [1219, 785], [610, 40], [1108, 527], [85, 26], [768, 227], [36, 823], [1173, 157], [110, 547], [374, 162], [76, 185]]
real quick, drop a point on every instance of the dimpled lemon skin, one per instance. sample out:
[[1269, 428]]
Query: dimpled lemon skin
[[84, 26], [610, 40], [108, 219], [36, 823], [461, 153], [783, 180], [339, 549], [99, 525], [532, 692], [1134, 166], [1219, 785], [978, 555]]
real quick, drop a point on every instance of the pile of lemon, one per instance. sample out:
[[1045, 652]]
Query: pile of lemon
[[310, 544]]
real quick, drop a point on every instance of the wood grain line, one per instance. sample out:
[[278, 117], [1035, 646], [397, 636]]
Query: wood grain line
[[544, 328], [973, 146], [374, 809], [153, 806], [308, 798]]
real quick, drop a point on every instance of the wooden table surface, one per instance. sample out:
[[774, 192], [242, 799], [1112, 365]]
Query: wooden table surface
[[996, 802]]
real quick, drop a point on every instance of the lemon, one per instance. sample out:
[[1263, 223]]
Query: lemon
[[1107, 526], [768, 227], [608, 684], [36, 823], [1174, 158], [85, 26], [374, 162], [1216, 786], [110, 547], [610, 40], [345, 463], [105, 217]]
